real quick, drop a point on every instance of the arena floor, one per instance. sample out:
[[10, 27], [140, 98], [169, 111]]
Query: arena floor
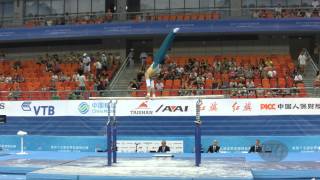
[[92, 166]]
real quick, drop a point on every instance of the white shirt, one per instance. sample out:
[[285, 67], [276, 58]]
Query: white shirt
[[86, 61], [82, 81], [298, 77], [54, 77], [159, 86], [315, 4], [98, 65], [143, 55], [104, 58], [302, 59], [278, 9], [308, 14], [75, 77]]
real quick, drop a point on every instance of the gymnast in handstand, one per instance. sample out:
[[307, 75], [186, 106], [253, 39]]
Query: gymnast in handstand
[[158, 59]]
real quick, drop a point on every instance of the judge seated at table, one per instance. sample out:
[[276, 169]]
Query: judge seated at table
[[214, 148], [163, 148], [257, 148]]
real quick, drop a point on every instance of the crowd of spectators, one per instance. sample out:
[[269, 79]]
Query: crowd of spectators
[[227, 76], [68, 19], [71, 72], [97, 18], [285, 12]]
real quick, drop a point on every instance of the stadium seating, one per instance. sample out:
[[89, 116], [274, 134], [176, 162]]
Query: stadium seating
[[282, 64], [37, 81]]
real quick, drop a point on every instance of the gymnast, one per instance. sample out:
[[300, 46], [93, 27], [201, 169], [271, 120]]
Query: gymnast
[[154, 69]]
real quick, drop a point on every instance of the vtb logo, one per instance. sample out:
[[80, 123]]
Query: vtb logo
[[164, 108], [2, 105], [38, 110], [268, 106]]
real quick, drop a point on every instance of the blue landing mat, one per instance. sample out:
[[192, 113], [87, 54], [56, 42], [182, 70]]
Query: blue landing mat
[[285, 170], [93, 168]]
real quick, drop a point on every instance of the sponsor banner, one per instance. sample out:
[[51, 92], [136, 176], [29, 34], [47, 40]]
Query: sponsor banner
[[148, 146], [171, 107]]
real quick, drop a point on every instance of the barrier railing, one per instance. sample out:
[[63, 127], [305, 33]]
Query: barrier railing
[[294, 92], [158, 15]]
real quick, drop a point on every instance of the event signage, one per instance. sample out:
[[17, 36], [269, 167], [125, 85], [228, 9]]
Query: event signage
[[161, 107]]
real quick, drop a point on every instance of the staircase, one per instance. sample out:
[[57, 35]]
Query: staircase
[[309, 75], [119, 85]]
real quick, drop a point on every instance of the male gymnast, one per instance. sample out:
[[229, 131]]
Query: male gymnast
[[158, 59]]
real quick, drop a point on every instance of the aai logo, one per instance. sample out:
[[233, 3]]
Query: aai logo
[[83, 108]]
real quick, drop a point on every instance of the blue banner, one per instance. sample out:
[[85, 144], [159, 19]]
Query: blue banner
[[93, 143], [151, 28]]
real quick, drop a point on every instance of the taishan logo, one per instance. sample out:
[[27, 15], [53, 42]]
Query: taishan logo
[[143, 105], [142, 109], [164, 108]]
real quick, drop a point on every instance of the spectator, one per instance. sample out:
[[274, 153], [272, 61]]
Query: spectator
[[2, 78], [82, 81], [315, 4], [308, 14], [256, 14], [8, 79], [15, 92], [159, 86], [131, 57], [140, 75], [248, 73], [104, 61], [18, 78], [278, 11], [63, 77], [133, 85], [143, 58], [200, 89], [298, 78], [98, 67], [214, 148], [257, 148], [54, 78], [86, 60], [294, 90], [272, 73], [163, 148], [250, 84], [75, 77], [302, 60], [101, 87], [316, 82]]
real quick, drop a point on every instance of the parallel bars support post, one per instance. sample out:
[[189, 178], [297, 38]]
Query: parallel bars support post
[[109, 136], [197, 139], [114, 134]]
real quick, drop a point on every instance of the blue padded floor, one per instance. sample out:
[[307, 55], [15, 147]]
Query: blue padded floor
[[94, 168], [91, 166]]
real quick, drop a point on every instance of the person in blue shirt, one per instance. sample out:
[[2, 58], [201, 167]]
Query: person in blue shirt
[[158, 59]]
